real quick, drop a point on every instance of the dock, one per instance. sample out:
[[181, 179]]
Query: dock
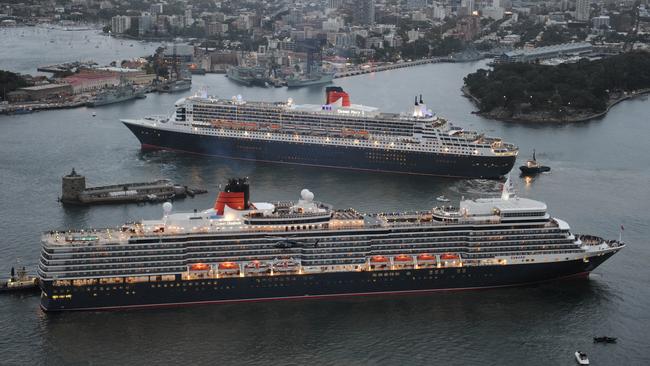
[[75, 192], [393, 66]]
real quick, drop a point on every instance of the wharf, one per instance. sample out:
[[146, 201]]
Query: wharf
[[74, 191], [386, 67]]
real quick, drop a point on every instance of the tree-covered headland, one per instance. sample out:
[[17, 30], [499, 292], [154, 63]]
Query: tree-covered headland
[[563, 92]]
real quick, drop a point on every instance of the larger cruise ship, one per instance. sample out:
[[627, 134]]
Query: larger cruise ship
[[243, 251], [335, 134]]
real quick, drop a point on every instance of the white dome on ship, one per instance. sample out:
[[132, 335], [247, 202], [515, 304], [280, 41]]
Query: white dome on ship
[[307, 195], [167, 208]]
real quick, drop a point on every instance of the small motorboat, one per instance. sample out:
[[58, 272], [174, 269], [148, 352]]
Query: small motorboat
[[442, 199], [94, 114], [532, 167], [604, 339], [581, 358]]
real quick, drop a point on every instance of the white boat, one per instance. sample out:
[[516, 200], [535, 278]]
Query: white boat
[[581, 358], [442, 199]]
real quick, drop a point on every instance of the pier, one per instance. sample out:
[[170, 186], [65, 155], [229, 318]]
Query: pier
[[386, 67]]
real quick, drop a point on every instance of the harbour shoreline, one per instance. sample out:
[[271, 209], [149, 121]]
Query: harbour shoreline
[[538, 118]]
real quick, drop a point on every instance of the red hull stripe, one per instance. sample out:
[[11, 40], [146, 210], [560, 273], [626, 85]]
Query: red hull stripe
[[315, 297]]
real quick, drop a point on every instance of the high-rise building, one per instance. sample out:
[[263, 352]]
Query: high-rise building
[[582, 10], [144, 23], [120, 23], [189, 20], [364, 12]]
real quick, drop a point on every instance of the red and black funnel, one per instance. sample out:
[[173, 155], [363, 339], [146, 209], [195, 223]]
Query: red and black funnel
[[235, 195]]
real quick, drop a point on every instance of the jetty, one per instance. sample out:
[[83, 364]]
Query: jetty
[[391, 66], [74, 191]]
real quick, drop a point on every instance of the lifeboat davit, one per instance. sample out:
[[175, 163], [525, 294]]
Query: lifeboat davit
[[403, 258], [426, 258], [378, 259], [199, 267], [228, 268], [449, 257], [228, 265]]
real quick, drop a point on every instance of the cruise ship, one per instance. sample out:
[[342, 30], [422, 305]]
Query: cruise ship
[[305, 249], [336, 134]]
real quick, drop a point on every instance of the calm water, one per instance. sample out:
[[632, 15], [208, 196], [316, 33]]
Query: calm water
[[600, 179]]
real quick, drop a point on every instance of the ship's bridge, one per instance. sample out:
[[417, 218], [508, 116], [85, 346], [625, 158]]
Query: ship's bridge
[[512, 208]]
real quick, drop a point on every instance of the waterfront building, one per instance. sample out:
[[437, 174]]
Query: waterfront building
[[120, 24], [145, 21], [542, 53], [133, 76], [45, 91], [583, 8], [88, 80]]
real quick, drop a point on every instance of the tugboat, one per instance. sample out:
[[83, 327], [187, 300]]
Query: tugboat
[[581, 358], [532, 167], [19, 281]]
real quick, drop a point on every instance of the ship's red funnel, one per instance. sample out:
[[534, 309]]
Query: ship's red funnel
[[235, 196], [334, 93]]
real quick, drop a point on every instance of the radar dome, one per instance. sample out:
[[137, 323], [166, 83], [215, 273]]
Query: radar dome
[[167, 208], [306, 195]]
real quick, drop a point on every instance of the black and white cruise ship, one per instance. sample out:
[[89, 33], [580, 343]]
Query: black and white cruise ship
[[336, 134], [243, 251]]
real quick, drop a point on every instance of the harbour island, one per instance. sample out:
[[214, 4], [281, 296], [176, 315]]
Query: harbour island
[[570, 92]]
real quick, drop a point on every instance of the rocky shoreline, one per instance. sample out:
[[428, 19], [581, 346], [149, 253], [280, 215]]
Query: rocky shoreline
[[548, 117]]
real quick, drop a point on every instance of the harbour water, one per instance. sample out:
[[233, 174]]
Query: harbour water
[[600, 180]]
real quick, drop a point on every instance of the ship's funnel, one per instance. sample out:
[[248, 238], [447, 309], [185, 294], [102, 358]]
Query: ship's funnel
[[335, 93], [235, 195]]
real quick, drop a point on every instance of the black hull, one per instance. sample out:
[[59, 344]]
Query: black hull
[[306, 286], [357, 158]]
